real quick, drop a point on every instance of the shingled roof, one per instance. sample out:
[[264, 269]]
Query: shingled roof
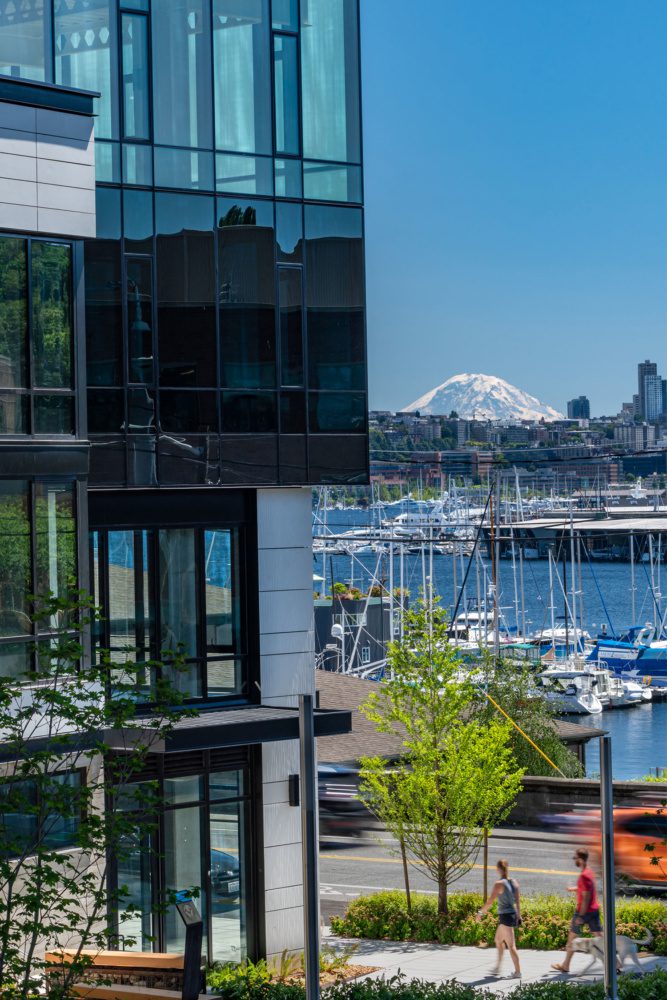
[[346, 691]]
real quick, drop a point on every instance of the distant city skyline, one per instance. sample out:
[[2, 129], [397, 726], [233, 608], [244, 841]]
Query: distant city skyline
[[515, 164]]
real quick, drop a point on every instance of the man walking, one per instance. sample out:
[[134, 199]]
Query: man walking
[[587, 912]]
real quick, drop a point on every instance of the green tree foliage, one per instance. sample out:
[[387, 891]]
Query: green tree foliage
[[512, 686], [54, 732], [457, 775]]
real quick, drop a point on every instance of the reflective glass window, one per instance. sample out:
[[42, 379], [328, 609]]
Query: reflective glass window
[[182, 73], [25, 41], [102, 274], [15, 581], [182, 859], [285, 15], [289, 232], [178, 591], [53, 414], [136, 115], [107, 162], [183, 168], [139, 5], [292, 413], [86, 58], [137, 164], [13, 313], [13, 413], [179, 790], [242, 78], [290, 305], [331, 182], [130, 624], [286, 89], [222, 606], [335, 297], [188, 412], [107, 208], [134, 873], [106, 411], [138, 221], [247, 293], [238, 174], [139, 304], [249, 412], [330, 81], [229, 867], [52, 314], [55, 538], [140, 411], [288, 178], [337, 412], [186, 291]]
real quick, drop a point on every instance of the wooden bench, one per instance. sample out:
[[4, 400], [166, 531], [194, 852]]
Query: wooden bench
[[130, 973], [89, 992]]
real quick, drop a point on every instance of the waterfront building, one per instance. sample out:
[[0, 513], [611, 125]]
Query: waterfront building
[[182, 355], [579, 408], [635, 437], [644, 368]]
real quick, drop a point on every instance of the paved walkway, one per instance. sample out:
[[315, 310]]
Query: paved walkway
[[439, 963]]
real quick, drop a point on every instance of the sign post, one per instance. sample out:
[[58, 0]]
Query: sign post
[[608, 877], [311, 881]]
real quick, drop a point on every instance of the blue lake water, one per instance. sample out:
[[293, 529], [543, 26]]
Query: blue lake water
[[639, 734]]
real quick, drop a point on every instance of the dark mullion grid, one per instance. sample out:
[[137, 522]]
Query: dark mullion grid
[[201, 653]]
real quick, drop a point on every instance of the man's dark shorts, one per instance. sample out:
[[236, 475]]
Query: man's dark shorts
[[590, 920], [508, 919]]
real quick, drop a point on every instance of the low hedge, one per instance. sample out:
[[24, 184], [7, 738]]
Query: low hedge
[[546, 920], [652, 986]]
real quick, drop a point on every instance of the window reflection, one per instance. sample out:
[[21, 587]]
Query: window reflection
[[247, 293], [106, 411], [136, 120], [103, 312], [25, 41], [222, 606], [186, 291], [289, 232], [286, 88], [243, 174], [188, 412], [288, 178], [140, 411], [139, 304], [291, 325], [249, 412], [178, 593], [86, 56], [285, 15], [335, 297], [130, 581], [331, 182], [15, 581], [53, 414], [242, 82], [52, 314], [337, 412], [138, 221], [183, 854], [228, 881], [55, 538], [330, 81], [13, 313], [182, 73]]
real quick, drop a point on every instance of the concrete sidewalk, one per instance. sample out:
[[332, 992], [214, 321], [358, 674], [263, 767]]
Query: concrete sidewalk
[[439, 963]]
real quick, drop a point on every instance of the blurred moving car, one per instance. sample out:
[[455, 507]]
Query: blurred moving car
[[640, 837], [342, 810]]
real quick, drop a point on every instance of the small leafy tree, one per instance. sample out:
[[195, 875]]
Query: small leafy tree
[[457, 776], [71, 746], [512, 686]]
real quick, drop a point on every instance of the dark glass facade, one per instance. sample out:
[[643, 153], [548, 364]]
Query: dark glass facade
[[227, 275]]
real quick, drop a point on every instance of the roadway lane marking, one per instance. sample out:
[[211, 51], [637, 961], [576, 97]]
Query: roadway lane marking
[[397, 861]]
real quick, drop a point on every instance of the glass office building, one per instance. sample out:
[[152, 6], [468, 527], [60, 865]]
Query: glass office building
[[182, 355]]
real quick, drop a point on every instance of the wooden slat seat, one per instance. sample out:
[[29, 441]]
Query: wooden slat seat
[[89, 992], [135, 960]]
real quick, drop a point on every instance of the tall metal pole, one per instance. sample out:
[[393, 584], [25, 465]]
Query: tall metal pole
[[608, 881], [311, 880]]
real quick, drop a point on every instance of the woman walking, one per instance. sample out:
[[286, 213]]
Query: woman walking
[[506, 891]]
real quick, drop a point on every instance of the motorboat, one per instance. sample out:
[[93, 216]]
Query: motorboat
[[569, 690]]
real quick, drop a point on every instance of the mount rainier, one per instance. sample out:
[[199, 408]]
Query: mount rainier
[[483, 397]]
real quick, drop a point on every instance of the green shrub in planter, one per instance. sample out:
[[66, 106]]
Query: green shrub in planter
[[546, 920]]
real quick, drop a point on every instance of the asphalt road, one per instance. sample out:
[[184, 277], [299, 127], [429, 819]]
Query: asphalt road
[[353, 866]]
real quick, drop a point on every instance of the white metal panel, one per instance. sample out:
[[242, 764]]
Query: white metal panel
[[60, 123], [65, 174], [285, 569], [284, 899], [285, 611], [287, 674], [19, 192], [287, 642], [282, 866], [282, 825], [284, 931], [19, 143], [20, 168], [279, 760], [22, 217], [283, 518], [67, 199], [52, 220]]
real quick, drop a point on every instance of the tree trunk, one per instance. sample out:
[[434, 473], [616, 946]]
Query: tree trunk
[[443, 907], [406, 876]]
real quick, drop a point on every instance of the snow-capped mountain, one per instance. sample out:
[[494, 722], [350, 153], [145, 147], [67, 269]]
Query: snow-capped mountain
[[483, 397]]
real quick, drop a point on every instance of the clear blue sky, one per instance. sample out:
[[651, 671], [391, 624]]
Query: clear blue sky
[[516, 194]]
